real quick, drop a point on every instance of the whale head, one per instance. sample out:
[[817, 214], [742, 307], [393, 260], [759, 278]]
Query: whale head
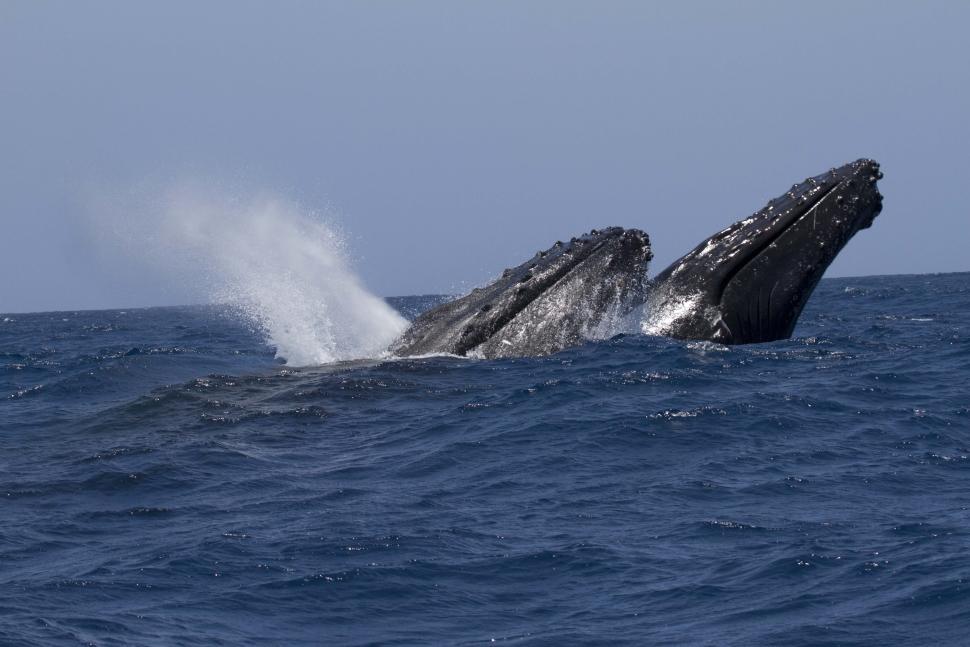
[[560, 297], [750, 282]]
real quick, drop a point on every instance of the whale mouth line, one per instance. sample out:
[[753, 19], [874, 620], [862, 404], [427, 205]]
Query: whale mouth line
[[752, 255], [529, 295], [585, 253]]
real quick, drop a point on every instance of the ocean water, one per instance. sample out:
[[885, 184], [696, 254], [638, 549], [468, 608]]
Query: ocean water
[[165, 480]]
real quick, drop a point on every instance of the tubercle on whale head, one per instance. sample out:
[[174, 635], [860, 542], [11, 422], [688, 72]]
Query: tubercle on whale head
[[750, 282], [633, 244]]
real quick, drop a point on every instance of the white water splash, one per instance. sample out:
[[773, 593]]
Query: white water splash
[[282, 266], [662, 311]]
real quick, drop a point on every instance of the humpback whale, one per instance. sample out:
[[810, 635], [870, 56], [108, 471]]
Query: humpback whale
[[560, 297], [750, 282], [745, 284]]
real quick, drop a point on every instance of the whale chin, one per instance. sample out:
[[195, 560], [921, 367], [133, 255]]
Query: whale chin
[[750, 282]]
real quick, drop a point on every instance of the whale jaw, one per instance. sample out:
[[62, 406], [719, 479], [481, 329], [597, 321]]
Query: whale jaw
[[750, 282], [559, 298]]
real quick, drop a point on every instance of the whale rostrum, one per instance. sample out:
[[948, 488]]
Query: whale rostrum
[[745, 284]]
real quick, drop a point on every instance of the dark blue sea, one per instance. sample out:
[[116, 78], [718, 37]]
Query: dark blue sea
[[164, 480]]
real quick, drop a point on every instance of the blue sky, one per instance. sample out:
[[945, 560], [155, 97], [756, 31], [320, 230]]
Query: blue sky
[[452, 139]]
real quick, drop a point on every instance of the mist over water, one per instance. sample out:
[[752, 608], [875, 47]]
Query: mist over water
[[283, 267]]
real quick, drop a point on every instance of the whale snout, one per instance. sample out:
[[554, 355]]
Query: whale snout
[[751, 281], [858, 191]]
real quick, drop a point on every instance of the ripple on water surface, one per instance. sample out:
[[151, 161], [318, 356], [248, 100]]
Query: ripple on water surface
[[637, 490]]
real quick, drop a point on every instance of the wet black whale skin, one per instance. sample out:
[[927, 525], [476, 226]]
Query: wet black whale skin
[[745, 284], [548, 303], [750, 282]]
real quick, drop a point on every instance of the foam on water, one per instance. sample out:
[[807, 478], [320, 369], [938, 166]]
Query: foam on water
[[282, 266]]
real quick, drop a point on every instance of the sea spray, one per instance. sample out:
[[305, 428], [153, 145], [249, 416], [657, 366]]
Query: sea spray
[[282, 266]]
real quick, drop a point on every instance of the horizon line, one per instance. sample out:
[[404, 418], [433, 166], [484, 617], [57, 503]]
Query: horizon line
[[395, 296]]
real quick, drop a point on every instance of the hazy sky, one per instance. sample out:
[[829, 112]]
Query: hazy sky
[[455, 138]]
